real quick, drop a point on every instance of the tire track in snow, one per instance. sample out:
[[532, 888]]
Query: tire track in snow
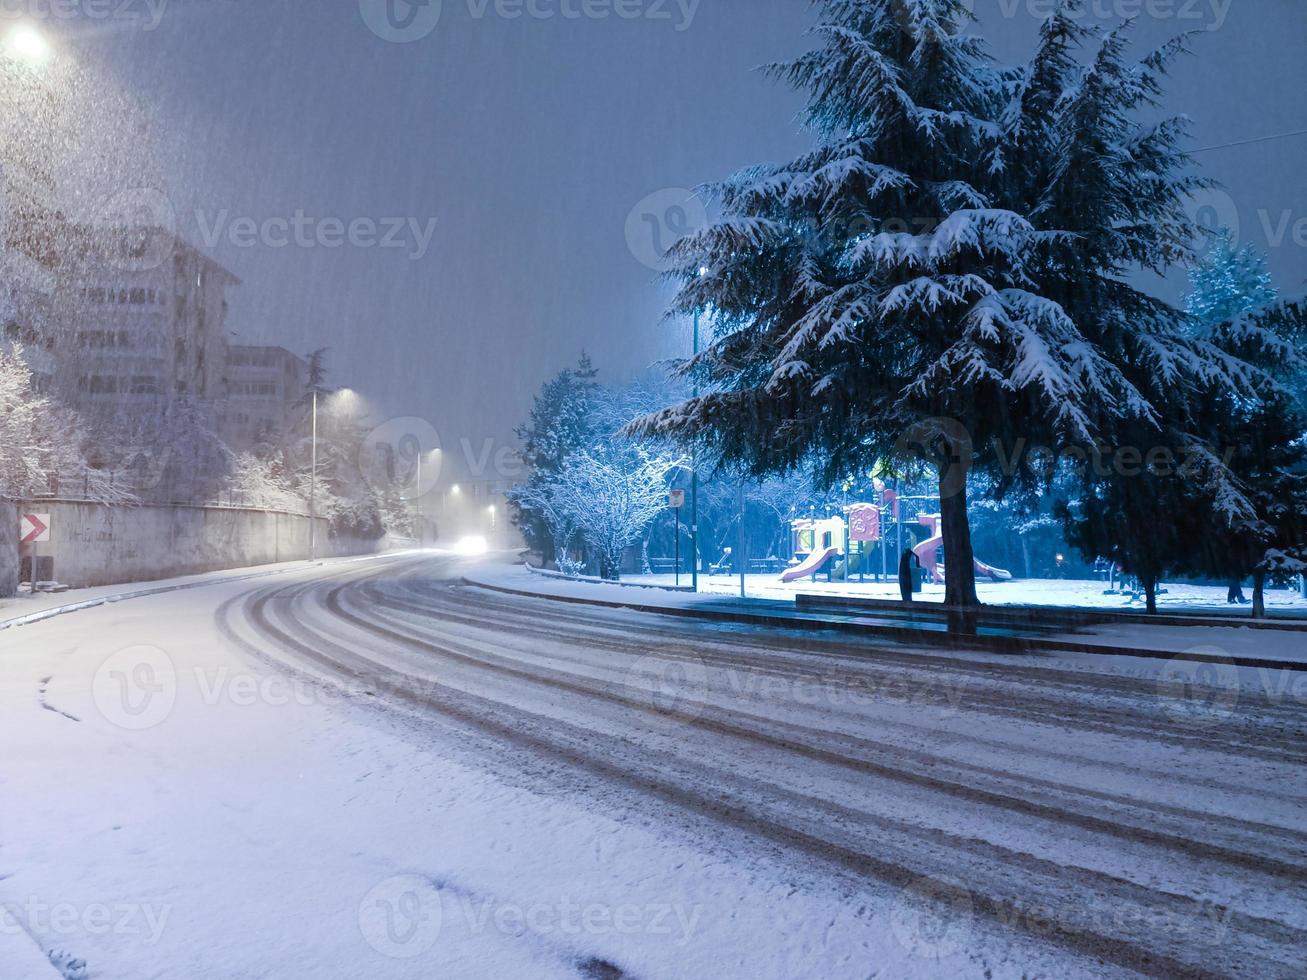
[[479, 713]]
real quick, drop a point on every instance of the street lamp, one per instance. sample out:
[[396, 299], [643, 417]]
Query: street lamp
[[313, 472], [444, 500], [418, 492], [27, 45], [417, 478], [694, 473]]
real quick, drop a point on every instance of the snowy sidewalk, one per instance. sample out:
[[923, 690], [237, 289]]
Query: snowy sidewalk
[[1264, 647], [33, 607]]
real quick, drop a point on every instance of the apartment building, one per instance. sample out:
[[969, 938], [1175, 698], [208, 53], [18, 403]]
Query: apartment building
[[263, 385], [143, 316], [28, 261]]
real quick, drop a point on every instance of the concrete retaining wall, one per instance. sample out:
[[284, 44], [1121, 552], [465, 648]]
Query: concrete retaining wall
[[93, 544], [8, 548]]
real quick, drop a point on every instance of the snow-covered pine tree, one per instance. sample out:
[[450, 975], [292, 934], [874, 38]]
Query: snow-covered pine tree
[[1227, 283], [1118, 186], [956, 247], [562, 422], [1234, 304]]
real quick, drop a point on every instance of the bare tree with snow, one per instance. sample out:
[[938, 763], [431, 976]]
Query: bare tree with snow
[[612, 495]]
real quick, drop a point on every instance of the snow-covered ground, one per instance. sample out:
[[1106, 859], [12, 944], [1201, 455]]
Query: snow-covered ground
[[1233, 641], [367, 771], [1080, 593]]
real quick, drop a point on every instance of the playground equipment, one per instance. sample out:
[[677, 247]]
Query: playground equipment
[[843, 544], [818, 544], [928, 554], [812, 565]]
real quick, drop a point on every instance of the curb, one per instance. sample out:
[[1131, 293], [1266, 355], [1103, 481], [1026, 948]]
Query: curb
[[989, 644], [70, 607], [1051, 615], [592, 580]]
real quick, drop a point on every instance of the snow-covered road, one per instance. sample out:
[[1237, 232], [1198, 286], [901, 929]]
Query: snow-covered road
[[374, 771]]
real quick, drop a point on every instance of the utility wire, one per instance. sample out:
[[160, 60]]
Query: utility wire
[[1255, 139]]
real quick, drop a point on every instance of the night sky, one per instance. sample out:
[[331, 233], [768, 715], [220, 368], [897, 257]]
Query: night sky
[[530, 141]]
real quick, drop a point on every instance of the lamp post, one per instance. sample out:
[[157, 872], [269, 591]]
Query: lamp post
[[444, 500], [417, 487], [313, 468], [313, 482], [694, 472]]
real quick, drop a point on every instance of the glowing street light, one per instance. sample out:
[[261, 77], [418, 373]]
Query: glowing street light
[[433, 455], [28, 45], [444, 498], [313, 468]]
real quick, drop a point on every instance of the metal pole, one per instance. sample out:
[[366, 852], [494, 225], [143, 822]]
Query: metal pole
[[694, 488], [313, 483], [898, 517], [739, 540], [676, 518]]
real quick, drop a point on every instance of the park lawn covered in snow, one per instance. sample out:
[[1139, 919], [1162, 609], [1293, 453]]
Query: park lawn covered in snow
[[1070, 593], [1234, 640]]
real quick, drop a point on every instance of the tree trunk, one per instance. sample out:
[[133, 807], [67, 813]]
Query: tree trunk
[[959, 560], [1259, 595], [610, 564], [1150, 593]]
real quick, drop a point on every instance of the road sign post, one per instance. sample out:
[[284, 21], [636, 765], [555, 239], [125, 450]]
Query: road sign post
[[34, 528]]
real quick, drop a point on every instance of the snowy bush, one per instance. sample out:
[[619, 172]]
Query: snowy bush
[[262, 483], [42, 444], [612, 494]]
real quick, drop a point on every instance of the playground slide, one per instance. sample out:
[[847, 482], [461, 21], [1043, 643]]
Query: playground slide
[[995, 574], [927, 554], [810, 565]]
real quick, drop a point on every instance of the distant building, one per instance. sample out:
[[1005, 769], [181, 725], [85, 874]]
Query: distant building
[[138, 316], [262, 386], [27, 262]]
